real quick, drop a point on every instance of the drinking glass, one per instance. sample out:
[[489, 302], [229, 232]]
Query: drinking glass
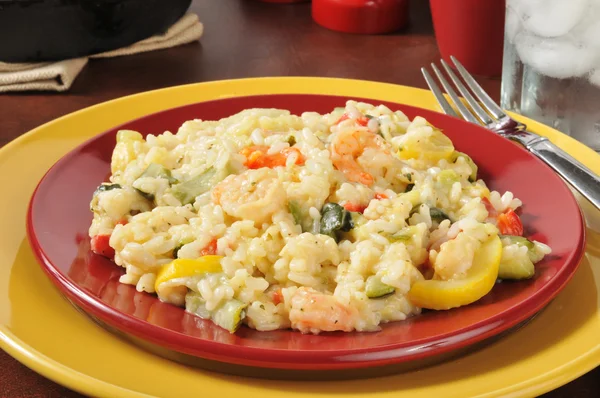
[[551, 65]]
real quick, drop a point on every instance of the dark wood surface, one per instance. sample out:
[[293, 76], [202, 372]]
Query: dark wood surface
[[243, 38]]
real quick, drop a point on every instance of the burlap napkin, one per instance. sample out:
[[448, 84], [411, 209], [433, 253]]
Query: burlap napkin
[[59, 76]]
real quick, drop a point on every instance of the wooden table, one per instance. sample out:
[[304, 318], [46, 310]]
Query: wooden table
[[243, 38]]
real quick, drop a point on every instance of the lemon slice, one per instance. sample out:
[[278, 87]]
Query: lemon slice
[[480, 279], [431, 147], [184, 267]]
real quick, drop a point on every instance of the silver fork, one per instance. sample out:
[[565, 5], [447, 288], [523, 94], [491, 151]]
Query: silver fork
[[496, 120]]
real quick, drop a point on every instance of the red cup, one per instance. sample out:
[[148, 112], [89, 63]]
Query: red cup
[[284, 1], [472, 31], [361, 16]]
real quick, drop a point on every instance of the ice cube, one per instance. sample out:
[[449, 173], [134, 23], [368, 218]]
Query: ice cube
[[551, 18], [594, 77], [588, 30], [513, 23], [560, 58]]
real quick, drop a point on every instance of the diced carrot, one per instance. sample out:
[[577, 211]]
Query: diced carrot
[[379, 196], [509, 223], [100, 246], [122, 221], [257, 157], [277, 296], [355, 207], [210, 249]]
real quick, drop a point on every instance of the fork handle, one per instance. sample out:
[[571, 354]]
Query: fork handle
[[580, 177]]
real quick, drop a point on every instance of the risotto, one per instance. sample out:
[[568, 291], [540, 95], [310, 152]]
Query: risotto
[[334, 222]]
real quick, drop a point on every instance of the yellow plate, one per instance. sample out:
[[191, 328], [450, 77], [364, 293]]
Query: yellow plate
[[43, 331]]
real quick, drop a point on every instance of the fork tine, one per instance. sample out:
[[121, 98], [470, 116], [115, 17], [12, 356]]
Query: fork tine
[[485, 118], [479, 92], [466, 114], [437, 93]]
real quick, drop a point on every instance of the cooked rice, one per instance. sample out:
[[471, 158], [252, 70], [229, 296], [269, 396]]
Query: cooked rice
[[276, 264]]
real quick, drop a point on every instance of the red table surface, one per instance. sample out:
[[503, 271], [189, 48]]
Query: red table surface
[[271, 40]]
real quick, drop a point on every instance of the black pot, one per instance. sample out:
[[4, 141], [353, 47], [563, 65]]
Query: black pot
[[46, 30]]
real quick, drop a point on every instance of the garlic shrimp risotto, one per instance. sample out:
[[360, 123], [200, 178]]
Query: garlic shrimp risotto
[[334, 222]]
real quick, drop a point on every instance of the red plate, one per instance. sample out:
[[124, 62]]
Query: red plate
[[59, 218]]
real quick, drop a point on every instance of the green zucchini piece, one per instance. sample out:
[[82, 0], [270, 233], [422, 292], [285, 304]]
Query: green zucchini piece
[[107, 187], [230, 315], [104, 187], [532, 253], [448, 177], [156, 170], [438, 215], [195, 304], [516, 269], [176, 249], [146, 195], [180, 245], [400, 236], [519, 240], [404, 235], [414, 209], [413, 196], [306, 223], [470, 162], [187, 191], [375, 288], [294, 208]]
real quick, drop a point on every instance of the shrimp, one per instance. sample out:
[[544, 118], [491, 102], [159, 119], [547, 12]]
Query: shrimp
[[253, 195], [312, 312], [347, 146]]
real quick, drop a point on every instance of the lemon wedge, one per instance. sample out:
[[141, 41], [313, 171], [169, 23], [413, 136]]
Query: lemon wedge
[[431, 147], [480, 279], [184, 267]]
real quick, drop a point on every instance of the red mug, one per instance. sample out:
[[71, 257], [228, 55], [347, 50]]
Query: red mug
[[472, 31]]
